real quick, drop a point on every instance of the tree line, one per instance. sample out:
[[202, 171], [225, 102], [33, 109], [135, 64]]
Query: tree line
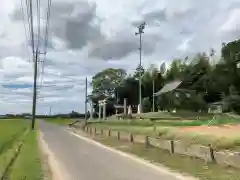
[[206, 79]]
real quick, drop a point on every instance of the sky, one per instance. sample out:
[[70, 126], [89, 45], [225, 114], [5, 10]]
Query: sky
[[86, 37]]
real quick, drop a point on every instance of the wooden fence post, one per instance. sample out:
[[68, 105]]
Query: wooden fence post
[[109, 132], [211, 153], [147, 142], [118, 135], [101, 132], [172, 146], [95, 131], [90, 130], [131, 137]]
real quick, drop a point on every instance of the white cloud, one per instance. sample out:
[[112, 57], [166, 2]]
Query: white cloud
[[78, 27]]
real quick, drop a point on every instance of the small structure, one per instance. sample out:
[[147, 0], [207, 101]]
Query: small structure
[[120, 107], [216, 107], [168, 88], [173, 88]]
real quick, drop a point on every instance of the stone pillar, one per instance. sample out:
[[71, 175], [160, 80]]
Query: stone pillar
[[91, 111], [104, 109], [139, 109], [100, 110], [125, 106], [129, 110]]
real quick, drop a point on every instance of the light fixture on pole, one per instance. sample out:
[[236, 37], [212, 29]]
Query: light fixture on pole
[[141, 27]]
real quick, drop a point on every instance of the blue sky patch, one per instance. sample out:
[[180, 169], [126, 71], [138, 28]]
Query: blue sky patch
[[16, 86]]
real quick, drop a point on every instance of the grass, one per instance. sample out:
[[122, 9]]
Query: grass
[[10, 131], [23, 164], [169, 132], [27, 164], [180, 114], [183, 164], [59, 121], [6, 157], [166, 122]]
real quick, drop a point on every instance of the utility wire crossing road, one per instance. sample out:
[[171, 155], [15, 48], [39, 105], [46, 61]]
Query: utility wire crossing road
[[83, 159]]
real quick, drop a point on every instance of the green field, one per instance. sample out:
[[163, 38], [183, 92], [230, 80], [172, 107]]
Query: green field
[[27, 164], [169, 129], [59, 121], [19, 157], [10, 132]]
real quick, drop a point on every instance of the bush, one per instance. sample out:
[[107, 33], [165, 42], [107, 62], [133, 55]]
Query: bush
[[146, 105]]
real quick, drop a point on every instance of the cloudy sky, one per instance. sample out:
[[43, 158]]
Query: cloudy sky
[[88, 36]]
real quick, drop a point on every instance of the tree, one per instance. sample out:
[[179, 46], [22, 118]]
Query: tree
[[105, 82], [205, 80], [163, 68], [146, 104], [104, 85]]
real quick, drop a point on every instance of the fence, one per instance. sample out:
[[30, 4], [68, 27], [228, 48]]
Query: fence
[[207, 153]]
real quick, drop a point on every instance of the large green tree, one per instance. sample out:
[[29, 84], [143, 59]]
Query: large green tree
[[205, 78]]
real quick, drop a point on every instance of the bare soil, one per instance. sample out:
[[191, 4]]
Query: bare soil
[[220, 131]]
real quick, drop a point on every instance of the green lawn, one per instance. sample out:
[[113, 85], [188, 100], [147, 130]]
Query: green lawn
[[27, 164], [19, 163], [169, 131], [166, 122], [59, 121], [180, 163], [10, 131]]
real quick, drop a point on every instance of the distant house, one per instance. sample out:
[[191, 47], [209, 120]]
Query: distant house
[[217, 107], [28, 117], [168, 88]]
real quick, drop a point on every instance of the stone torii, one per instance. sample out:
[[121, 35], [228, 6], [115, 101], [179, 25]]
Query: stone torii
[[102, 108]]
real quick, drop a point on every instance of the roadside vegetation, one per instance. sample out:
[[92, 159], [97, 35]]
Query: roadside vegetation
[[180, 163], [27, 165], [175, 129], [19, 156], [59, 121]]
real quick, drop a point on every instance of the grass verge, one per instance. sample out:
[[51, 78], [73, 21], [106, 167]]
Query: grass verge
[[172, 133], [182, 164], [27, 164], [10, 131], [59, 121]]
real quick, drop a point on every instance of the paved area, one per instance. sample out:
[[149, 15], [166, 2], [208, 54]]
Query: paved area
[[84, 160]]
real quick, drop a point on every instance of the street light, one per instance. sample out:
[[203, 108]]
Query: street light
[[140, 32]]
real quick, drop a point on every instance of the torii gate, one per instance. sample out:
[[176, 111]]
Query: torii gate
[[102, 107]]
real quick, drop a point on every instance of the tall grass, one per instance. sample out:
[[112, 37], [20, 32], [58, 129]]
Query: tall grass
[[27, 165], [10, 131]]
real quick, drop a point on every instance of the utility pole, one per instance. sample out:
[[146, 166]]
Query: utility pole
[[140, 32], [153, 105], [50, 110], [86, 88], [34, 89]]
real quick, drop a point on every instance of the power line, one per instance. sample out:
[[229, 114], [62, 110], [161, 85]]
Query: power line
[[31, 25], [25, 29], [38, 25], [45, 40], [62, 76]]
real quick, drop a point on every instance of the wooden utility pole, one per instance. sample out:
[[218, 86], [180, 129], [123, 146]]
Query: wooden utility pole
[[34, 90], [86, 89]]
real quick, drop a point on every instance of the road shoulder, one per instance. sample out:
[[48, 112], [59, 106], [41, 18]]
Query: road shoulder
[[55, 168], [158, 167]]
